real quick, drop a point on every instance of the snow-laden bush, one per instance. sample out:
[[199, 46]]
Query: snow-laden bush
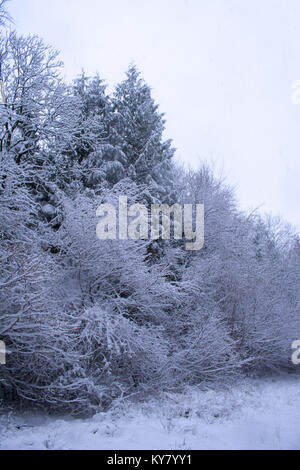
[[83, 325], [121, 351], [29, 310], [245, 279], [204, 351]]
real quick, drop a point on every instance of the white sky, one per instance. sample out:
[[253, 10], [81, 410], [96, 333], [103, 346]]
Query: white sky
[[221, 70]]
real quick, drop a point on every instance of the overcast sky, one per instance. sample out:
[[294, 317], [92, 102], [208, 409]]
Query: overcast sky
[[221, 70]]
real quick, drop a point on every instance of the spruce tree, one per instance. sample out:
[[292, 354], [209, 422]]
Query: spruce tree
[[140, 128]]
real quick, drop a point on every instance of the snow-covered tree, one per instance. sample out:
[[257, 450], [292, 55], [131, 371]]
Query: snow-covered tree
[[140, 126]]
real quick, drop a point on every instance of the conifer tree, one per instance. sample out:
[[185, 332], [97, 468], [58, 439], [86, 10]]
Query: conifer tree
[[140, 129]]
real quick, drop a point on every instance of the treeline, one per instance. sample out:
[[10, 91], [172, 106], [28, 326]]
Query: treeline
[[86, 321]]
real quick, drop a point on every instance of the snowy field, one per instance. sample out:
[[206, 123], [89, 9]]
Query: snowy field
[[252, 415]]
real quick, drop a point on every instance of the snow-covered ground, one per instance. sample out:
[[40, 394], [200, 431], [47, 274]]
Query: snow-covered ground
[[251, 415]]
